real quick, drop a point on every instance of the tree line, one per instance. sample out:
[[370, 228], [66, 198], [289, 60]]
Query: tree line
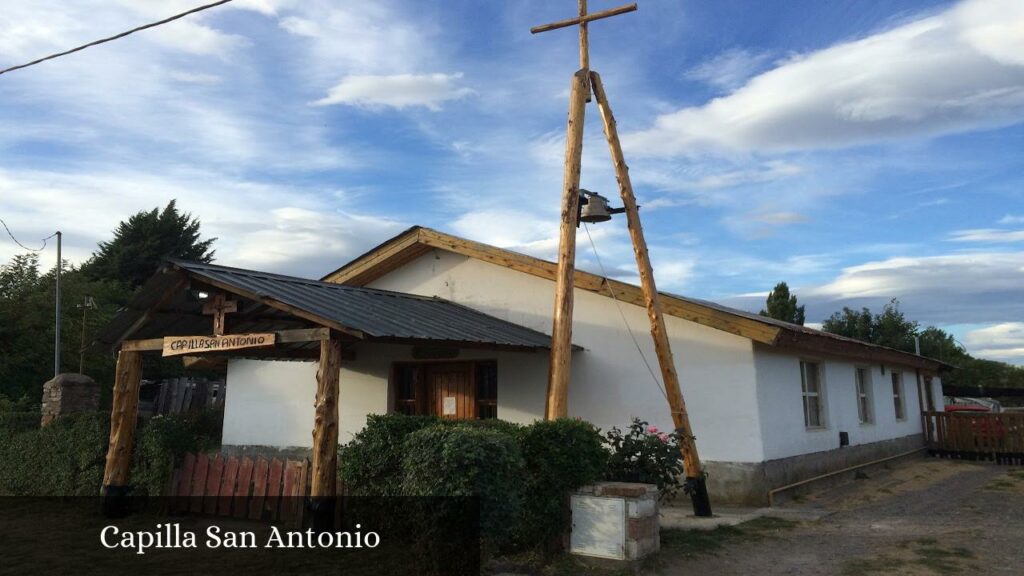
[[107, 279], [891, 328]]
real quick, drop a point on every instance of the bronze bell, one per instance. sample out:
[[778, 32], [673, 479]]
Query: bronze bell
[[594, 207]]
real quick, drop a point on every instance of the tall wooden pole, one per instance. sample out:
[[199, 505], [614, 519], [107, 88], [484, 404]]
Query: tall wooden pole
[[691, 460], [123, 416], [561, 329], [324, 489]]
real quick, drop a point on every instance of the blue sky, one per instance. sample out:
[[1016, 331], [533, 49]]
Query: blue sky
[[859, 150]]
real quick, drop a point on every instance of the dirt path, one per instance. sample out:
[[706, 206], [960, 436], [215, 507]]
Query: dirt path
[[925, 517]]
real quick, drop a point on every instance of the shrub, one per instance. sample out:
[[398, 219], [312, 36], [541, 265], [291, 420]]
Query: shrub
[[65, 458], [468, 461], [371, 464], [12, 423], [163, 440], [560, 457], [645, 454]]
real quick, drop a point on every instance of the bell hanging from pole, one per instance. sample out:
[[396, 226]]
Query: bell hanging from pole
[[594, 208]]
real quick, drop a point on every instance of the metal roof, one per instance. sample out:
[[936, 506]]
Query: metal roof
[[370, 314]]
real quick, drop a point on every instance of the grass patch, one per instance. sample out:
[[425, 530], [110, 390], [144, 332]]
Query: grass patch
[[690, 543], [926, 553]]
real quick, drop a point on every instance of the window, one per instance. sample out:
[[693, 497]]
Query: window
[[487, 390], [810, 380], [407, 379], [897, 396], [864, 396]]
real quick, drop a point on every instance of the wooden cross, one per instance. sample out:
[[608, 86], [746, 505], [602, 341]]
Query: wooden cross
[[219, 307], [582, 20]]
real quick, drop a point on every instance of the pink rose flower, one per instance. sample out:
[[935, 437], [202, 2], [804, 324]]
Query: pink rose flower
[[663, 437], [652, 429]]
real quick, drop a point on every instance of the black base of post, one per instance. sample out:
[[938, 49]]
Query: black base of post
[[116, 501], [321, 511], [699, 495]]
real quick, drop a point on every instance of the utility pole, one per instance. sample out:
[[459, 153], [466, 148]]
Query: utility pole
[[56, 331]]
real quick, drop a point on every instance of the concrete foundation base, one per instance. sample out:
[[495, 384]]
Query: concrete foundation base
[[748, 483]]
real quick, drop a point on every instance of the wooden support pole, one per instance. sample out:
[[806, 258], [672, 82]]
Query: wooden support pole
[[680, 418], [123, 416], [324, 487], [584, 45], [561, 329]]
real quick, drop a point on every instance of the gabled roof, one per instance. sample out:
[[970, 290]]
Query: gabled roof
[[419, 240], [360, 313]]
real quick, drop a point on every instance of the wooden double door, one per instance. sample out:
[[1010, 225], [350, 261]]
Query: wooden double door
[[455, 390]]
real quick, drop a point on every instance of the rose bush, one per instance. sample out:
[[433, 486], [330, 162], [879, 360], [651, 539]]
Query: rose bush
[[645, 454]]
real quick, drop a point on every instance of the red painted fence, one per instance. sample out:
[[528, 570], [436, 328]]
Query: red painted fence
[[242, 488]]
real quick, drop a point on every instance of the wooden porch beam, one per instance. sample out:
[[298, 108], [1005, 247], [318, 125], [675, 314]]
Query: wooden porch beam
[[323, 488]]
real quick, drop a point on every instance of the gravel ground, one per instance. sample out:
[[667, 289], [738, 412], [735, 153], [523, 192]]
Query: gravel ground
[[921, 517]]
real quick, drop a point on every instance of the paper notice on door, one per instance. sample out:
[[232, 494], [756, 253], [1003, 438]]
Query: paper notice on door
[[449, 406]]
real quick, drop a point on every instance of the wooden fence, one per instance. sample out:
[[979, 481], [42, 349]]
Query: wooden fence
[[976, 436], [242, 488]]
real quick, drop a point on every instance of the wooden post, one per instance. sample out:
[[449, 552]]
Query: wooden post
[[323, 487], [691, 460], [123, 416], [561, 329], [584, 46]]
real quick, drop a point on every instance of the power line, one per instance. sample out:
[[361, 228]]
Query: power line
[[116, 36], [40, 249]]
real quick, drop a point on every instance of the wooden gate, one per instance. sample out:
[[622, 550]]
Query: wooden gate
[[242, 488], [976, 436]]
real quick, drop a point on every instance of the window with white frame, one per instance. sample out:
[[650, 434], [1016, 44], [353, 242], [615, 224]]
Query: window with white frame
[[864, 396], [814, 399], [898, 400]]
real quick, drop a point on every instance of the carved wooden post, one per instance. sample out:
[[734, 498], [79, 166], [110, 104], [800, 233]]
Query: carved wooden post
[[561, 329], [694, 473], [123, 416], [324, 487]]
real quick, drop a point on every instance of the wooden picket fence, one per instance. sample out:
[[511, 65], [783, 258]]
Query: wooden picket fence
[[976, 436], [258, 489]]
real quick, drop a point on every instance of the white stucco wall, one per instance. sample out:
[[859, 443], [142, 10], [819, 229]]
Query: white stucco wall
[[781, 403], [270, 403], [610, 383], [744, 401]]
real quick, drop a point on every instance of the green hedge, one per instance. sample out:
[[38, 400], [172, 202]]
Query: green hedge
[[16, 422], [163, 440], [64, 458], [67, 457], [560, 456], [445, 460], [523, 475]]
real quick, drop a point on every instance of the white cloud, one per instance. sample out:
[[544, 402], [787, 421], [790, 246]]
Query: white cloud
[[1011, 219], [730, 69], [959, 70], [264, 226], [396, 91], [987, 235], [1003, 341]]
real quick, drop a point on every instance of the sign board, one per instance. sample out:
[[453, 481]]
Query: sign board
[[598, 527], [178, 345], [449, 406]]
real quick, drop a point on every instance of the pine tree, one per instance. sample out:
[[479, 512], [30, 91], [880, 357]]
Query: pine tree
[[782, 306], [145, 240]]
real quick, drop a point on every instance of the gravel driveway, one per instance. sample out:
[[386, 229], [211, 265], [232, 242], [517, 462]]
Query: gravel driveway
[[920, 517]]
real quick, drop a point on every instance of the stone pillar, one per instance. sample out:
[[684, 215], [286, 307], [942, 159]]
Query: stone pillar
[[68, 394]]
